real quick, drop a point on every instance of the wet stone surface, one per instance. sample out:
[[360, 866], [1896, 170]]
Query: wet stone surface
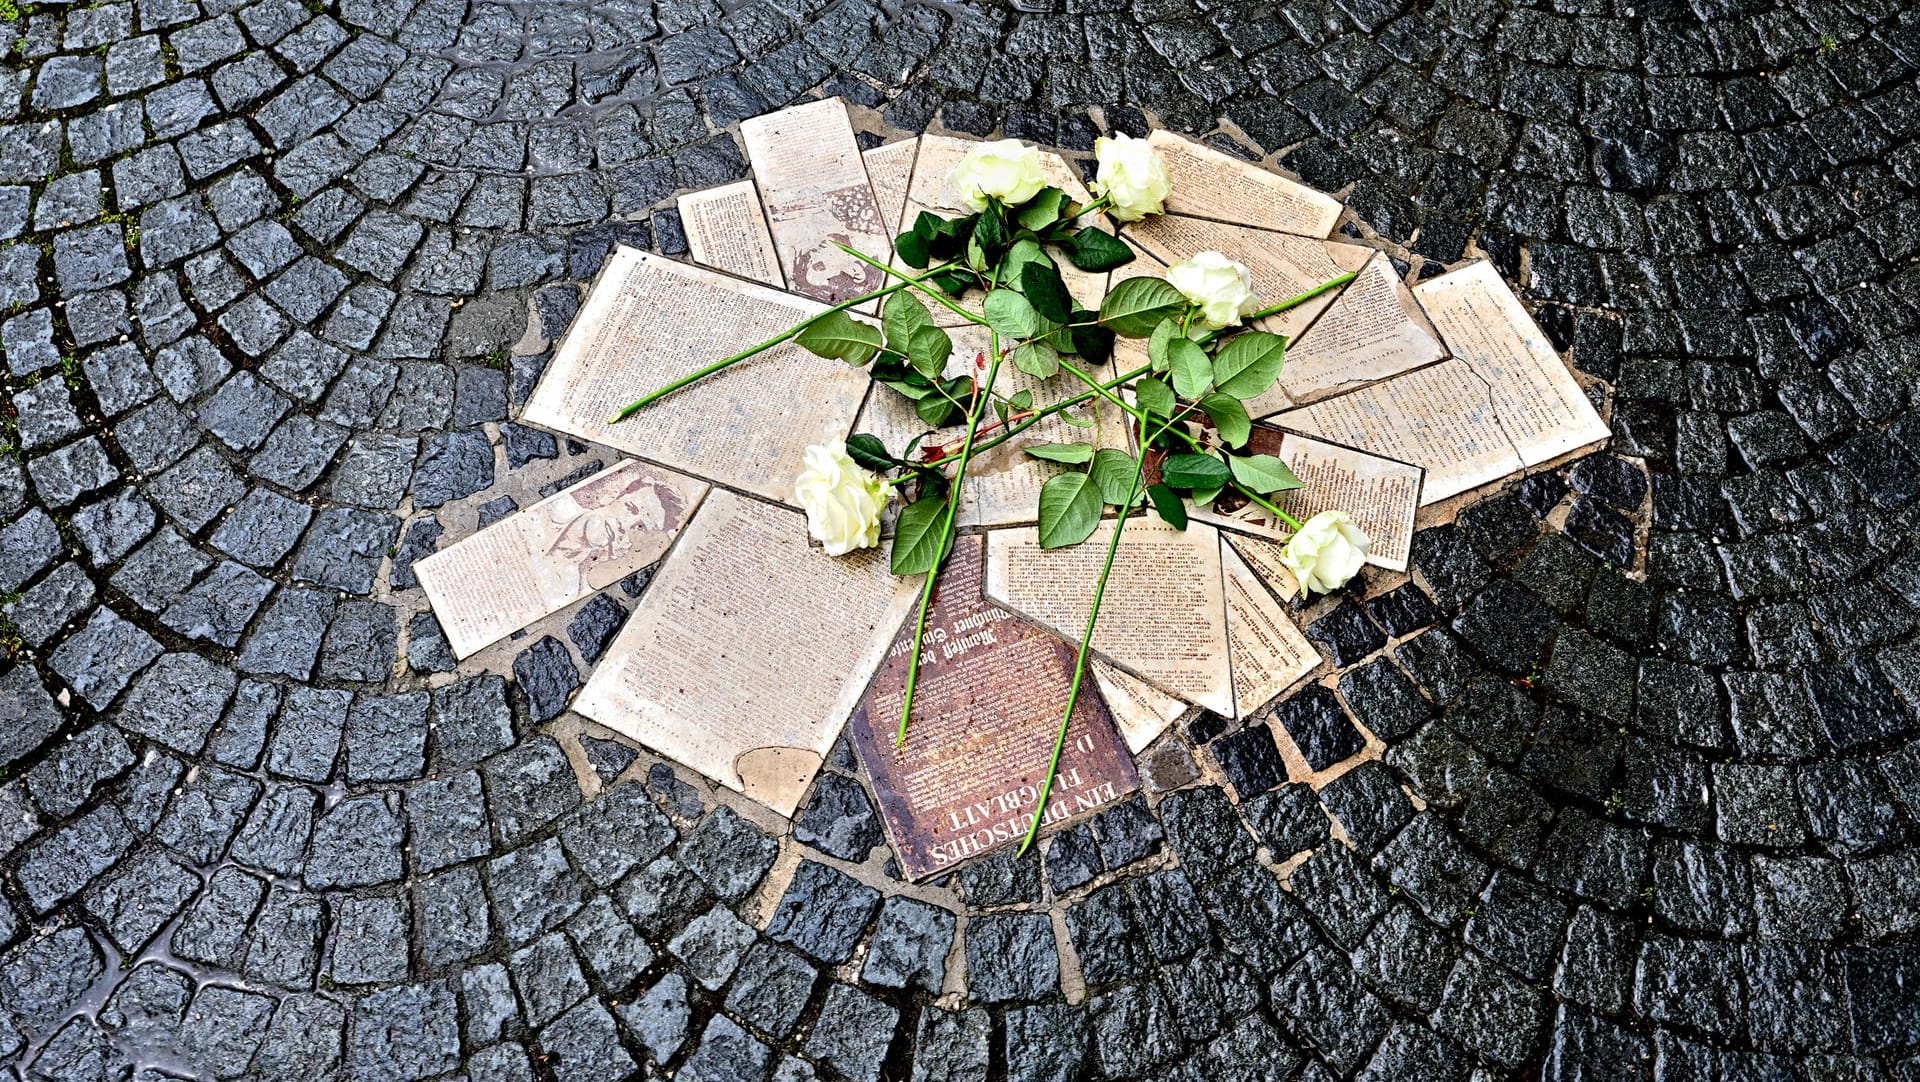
[[276, 280]]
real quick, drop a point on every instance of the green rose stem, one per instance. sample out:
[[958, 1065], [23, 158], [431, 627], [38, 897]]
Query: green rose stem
[[978, 410], [1036, 417], [790, 332], [1086, 636]]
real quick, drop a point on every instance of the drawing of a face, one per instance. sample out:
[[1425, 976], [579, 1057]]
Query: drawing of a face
[[600, 523], [829, 274]]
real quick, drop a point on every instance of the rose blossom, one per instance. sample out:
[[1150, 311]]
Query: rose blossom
[[1132, 177], [842, 499], [1006, 170], [1325, 552], [1221, 288]]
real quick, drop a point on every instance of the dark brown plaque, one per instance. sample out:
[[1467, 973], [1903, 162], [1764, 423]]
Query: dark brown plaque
[[984, 717]]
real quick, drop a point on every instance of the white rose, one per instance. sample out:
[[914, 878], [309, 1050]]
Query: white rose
[[843, 500], [1221, 288], [1006, 170], [1132, 177], [1327, 550]]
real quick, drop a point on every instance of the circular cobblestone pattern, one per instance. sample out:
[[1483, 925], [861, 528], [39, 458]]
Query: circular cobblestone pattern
[[275, 277]]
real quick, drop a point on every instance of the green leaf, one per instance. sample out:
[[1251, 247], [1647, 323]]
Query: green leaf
[[1071, 453], [1154, 397], [913, 251], [839, 336], [1192, 371], [1202, 497], [1194, 471], [1022, 400], [1009, 313], [1037, 359], [1069, 510], [1248, 364], [990, 233], [1077, 422], [938, 409], [921, 538], [1043, 210], [1024, 251], [928, 351], [1229, 418], [1093, 342], [1262, 473], [902, 315], [1168, 505], [1134, 307], [1164, 332], [866, 449], [1113, 471], [1046, 292], [1096, 250]]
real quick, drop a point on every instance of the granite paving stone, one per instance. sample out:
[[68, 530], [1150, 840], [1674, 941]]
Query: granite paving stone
[[274, 282]]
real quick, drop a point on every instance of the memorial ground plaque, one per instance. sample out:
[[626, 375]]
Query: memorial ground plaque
[[985, 712]]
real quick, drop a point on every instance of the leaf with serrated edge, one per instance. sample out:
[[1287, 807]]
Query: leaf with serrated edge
[[1113, 471], [1154, 397], [1262, 473], [1069, 510], [839, 336], [866, 449], [1192, 372], [1134, 307], [1037, 359], [1248, 364], [1167, 504], [1008, 313], [1071, 453], [928, 351], [920, 538], [1192, 471], [902, 315], [1229, 418]]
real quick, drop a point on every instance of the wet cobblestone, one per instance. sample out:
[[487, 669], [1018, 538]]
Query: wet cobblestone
[[275, 279]]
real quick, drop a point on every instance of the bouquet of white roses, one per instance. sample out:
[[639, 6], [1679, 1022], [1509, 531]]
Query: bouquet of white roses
[[1203, 360]]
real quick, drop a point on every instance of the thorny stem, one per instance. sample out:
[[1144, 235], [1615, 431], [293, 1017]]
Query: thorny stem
[[1086, 640], [980, 399], [1034, 417], [916, 282]]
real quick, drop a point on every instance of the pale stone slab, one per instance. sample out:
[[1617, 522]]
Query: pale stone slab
[[1504, 402], [1209, 184], [750, 649], [1269, 653], [1164, 615], [1373, 330], [1282, 265], [648, 321], [574, 543], [726, 231], [814, 186], [986, 710], [1141, 711], [890, 169]]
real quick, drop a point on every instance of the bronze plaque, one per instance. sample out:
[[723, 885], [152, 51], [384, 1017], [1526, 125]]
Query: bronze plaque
[[984, 717]]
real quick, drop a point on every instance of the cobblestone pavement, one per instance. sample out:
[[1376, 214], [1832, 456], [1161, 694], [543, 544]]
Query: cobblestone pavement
[[1648, 805]]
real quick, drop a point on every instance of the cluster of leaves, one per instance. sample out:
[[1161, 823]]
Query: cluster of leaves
[[1212, 376], [1003, 250]]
